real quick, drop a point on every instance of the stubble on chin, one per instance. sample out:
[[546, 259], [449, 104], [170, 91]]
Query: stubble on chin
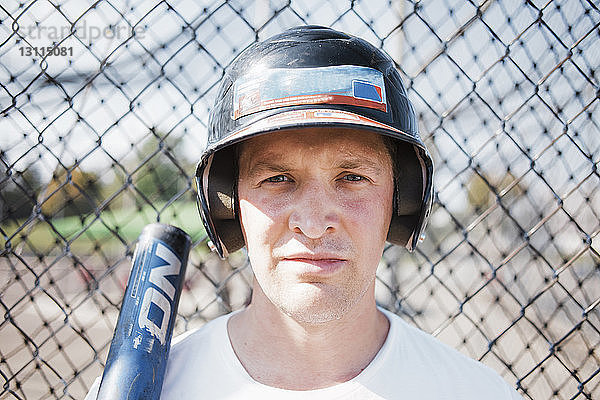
[[317, 303]]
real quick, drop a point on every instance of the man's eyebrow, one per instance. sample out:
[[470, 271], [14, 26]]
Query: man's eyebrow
[[359, 163], [280, 166], [267, 166]]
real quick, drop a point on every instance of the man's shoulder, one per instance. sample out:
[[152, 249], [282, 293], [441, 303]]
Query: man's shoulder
[[429, 348], [185, 349], [425, 357], [198, 358], [215, 329]]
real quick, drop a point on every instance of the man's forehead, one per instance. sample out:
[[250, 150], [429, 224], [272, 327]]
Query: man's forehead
[[329, 141], [278, 151]]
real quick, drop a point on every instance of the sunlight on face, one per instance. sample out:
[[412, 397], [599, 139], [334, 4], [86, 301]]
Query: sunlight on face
[[315, 208]]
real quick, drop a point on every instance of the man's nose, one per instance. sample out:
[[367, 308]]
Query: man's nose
[[314, 212]]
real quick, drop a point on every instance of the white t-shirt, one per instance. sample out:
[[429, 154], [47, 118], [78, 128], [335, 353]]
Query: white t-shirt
[[410, 365]]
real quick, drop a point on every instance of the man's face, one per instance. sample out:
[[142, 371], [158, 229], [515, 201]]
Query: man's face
[[315, 207]]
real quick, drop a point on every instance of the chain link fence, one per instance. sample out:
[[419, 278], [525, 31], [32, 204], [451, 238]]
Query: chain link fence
[[104, 110]]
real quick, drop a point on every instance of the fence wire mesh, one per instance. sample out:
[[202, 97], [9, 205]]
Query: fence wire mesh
[[104, 111]]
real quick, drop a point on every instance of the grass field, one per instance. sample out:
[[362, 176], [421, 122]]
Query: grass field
[[109, 228]]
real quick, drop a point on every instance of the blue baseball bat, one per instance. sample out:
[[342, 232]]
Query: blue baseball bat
[[137, 358]]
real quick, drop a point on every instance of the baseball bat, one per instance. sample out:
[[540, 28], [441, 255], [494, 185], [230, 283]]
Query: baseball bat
[[137, 358]]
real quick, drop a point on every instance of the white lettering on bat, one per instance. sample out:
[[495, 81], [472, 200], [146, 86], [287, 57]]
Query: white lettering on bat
[[157, 297]]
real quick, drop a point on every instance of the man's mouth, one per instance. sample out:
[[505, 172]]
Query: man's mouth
[[321, 264]]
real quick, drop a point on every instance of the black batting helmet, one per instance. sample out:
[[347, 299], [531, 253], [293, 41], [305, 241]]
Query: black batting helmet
[[312, 77]]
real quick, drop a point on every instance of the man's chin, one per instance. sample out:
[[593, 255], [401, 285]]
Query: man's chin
[[314, 303], [316, 317]]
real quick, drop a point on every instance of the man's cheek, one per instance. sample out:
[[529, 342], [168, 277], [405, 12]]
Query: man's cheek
[[263, 211], [360, 210]]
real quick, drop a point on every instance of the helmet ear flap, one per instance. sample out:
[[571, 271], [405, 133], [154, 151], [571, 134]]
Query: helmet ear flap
[[222, 199], [408, 195]]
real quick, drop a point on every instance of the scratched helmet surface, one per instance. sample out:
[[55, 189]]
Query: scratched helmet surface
[[311, 77]]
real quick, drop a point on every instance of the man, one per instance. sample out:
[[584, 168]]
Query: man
[[314, 162]]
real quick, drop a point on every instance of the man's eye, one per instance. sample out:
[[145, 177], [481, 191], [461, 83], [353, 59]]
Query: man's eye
[[277, 179], [353, 178]]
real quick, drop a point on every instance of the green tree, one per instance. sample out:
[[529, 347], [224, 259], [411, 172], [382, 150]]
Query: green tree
[[71, 192], [18, 192], [159, 175]]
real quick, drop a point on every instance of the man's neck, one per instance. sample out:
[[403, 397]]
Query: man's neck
[[278, 351]]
